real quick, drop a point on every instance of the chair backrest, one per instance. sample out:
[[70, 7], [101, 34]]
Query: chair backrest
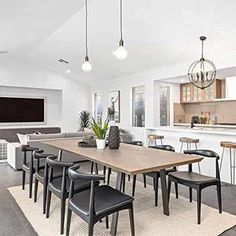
[[53, 163], [203, 152], [25, 149], [39, 155], [208, 154], [76, 175], [164, 147]]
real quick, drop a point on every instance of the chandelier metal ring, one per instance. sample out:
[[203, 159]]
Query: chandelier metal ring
[[202, 73]]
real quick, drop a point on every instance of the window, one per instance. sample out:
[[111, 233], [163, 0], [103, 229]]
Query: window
[[97, 106], [138, 106], [164, 105]]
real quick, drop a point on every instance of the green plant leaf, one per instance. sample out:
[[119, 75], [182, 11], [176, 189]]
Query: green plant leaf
[[100, 129], [84, 119]]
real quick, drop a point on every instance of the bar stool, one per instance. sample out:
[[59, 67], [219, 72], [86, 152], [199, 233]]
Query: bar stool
[[230, 146], [154, 138], [189, 141]]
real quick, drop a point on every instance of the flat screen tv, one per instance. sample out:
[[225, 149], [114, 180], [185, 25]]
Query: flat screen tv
[[16, 110]]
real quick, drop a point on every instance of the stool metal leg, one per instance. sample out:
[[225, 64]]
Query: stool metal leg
[[234, 166], [187, 146], [221, 161], [231, 176], [161, 142], [181, 148]]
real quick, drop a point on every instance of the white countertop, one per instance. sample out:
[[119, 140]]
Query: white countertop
[[204, 130], [206, 126]]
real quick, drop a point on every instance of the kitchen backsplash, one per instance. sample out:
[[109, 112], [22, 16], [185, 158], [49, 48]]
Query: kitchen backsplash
[[219, 111]]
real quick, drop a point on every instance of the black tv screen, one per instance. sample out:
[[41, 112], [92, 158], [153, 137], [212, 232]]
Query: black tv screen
[[14, 109]]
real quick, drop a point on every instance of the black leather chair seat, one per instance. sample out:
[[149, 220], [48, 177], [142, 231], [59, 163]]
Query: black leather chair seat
[[106, 199], [26, 166], [192, 177], [55, 185], [57, 172]]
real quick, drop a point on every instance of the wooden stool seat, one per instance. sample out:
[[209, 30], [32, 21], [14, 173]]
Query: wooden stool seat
[[188, 140], [227, 144], [154, 137]]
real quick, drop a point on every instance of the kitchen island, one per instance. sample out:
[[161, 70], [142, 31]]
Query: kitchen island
[[210, 138]]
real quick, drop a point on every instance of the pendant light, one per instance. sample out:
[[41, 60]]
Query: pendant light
[[87, 65], [202, 73], [121, 52]]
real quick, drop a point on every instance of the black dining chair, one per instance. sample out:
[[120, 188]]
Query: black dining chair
[[41, 175], [28, 166], [97, 202], [198, 181], [59, 186], [156, 174]]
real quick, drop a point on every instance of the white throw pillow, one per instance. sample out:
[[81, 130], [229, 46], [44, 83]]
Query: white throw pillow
[[23, 139]]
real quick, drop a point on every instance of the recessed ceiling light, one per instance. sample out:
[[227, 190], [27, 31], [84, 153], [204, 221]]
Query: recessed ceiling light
[[3, 51], [68, 71]]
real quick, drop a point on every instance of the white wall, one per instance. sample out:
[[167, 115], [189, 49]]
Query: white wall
[[151, 81], [230, 87], [74, 95]]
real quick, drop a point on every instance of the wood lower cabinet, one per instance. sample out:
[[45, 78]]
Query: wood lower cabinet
[[189, 93]]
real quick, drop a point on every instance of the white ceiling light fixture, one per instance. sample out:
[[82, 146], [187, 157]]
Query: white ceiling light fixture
[[86, 67], [121, 53], [68, 71]]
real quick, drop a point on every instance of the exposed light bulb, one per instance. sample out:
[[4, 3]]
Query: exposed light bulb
[[68, 71], [121, 53], [86, 67]]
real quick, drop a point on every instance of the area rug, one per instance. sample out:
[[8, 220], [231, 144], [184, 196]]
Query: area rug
[[149, 220]]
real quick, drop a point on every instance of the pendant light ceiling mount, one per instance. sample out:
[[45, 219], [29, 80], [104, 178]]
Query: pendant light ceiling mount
[[202, 73]]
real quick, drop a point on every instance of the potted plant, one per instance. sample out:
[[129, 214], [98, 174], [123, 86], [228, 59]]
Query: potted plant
[[84, 120], [100, 129]]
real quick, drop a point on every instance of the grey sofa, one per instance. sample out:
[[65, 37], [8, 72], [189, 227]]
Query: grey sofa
[[15, 156]]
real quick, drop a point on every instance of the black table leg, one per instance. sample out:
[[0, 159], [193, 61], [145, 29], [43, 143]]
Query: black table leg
[[165, 200], [119, 181]]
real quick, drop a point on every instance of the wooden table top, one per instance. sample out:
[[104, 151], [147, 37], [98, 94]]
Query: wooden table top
[[129, 159]]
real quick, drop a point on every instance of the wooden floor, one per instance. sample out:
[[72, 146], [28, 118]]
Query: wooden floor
[[14, 223]]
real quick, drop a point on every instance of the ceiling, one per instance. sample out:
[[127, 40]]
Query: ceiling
[[157, 33]]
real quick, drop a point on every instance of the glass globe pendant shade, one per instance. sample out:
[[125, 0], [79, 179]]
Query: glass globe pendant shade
[[121, 53], [86, 67]]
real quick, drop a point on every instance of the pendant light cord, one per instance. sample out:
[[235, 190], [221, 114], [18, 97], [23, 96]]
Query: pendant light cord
[[202, 48], [121, 20], [86, 28]]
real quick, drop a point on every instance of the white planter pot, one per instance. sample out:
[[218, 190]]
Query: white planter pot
[[101, 143]]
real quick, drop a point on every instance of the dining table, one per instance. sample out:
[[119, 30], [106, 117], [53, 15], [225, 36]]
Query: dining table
[[128, 159]]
